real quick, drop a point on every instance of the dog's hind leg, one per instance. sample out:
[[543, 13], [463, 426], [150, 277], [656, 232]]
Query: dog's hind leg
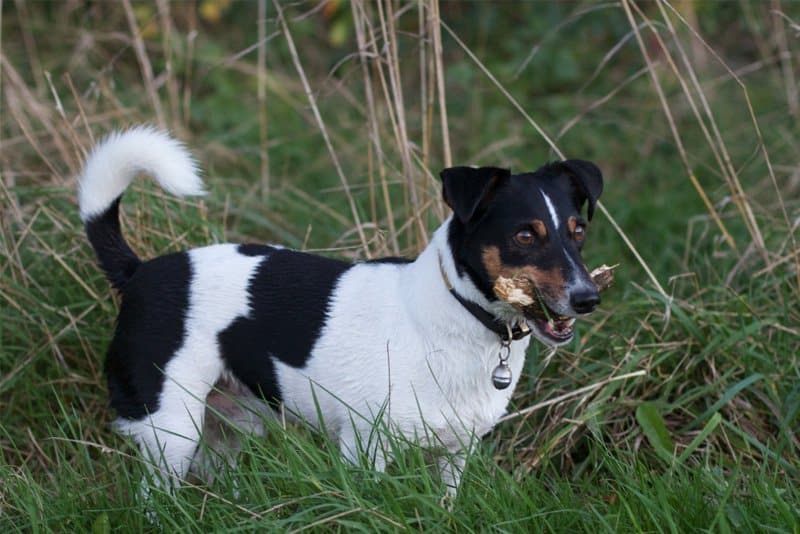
[[168, 440], [169, 436], [231, 412]]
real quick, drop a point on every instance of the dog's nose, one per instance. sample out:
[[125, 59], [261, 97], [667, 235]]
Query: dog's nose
[[584, 300]]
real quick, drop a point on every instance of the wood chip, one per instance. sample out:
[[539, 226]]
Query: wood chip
[[603, 276]]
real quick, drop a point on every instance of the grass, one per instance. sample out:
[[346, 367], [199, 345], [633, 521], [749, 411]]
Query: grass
[[295, 481], [676, 407]]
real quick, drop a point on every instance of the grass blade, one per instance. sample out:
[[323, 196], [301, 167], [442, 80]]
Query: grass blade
[[653, 426]]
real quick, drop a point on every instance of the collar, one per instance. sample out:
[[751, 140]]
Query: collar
[[504, 330]]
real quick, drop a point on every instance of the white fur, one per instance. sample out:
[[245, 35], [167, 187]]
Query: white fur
[[397, 345], [397, 349], [217, 296], [575, 283], [552, 209], [116, 161]]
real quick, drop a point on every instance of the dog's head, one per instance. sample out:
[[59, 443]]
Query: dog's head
[[519, 237]]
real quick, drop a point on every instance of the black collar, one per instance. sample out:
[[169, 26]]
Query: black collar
[[504, 330]]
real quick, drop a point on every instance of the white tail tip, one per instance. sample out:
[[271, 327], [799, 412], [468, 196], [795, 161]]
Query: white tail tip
[[116, 161]]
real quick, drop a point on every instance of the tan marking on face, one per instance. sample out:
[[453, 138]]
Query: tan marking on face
[[550, 283], [572, 223], [491, 261], [539, 228], [519, 286]]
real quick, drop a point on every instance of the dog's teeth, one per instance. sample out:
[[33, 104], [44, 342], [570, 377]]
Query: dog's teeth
[[571, 321]]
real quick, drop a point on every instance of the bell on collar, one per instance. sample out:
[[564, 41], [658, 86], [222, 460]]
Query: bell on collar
[[501, 376]]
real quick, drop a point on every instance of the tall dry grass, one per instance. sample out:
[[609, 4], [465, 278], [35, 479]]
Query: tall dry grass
[[653, 345]]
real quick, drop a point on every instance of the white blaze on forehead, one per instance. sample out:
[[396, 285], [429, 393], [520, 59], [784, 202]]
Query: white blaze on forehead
[[551, 208]]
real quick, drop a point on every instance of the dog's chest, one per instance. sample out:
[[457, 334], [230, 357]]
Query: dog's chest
[[470, 395], [387, 352]]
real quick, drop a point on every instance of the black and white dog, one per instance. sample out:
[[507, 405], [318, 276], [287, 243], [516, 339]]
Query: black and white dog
[[430, 349]]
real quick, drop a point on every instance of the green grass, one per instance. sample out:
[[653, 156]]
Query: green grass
[[294, 480], [670, 412]]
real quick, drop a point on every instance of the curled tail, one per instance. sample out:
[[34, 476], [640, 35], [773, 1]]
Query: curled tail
[[109, 170]]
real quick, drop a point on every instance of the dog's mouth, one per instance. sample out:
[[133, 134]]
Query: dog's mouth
[[551, 327], [522, 293]]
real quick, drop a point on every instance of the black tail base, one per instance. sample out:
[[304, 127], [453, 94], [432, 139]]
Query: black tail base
[[117, 259]]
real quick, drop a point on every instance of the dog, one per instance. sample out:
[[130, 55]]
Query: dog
[[429, 349]]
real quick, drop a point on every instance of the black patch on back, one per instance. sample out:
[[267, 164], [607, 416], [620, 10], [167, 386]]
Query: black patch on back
[[289, 298], [392, 260], [251, 249], [150, 328]]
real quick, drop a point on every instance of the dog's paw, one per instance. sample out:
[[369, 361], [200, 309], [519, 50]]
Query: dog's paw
[[448, 500]]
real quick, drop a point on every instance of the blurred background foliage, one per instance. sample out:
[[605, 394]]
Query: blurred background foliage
[[714, 347]]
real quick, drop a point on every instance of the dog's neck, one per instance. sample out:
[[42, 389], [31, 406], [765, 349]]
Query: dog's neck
[[433, 302]]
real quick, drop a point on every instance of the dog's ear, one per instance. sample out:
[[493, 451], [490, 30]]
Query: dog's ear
[[587, 181], [467, 189]]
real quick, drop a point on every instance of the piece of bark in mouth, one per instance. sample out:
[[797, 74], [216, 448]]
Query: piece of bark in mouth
[[520, 292], [517, 290], [603, 276]]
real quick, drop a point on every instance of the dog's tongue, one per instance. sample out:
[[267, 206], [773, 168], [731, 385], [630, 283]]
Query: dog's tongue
[[559, 328]]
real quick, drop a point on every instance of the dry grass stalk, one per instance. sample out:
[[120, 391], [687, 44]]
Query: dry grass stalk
[[717, 145], [761, 144], [728, 171], [188, 61], [436, 24], [20, 100], [789, 79], [572, 394], [82, 113], [671, 121], [389, 34], [261, 63], [321, 124], [560, 154], [30, 45], [713, 144], [173, 91], [387, 89], [386, 63], [27, 105], [364, 55], [424, 89], [77, 145], [144, 64]]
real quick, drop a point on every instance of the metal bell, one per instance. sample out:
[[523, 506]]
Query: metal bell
[[501, 376]]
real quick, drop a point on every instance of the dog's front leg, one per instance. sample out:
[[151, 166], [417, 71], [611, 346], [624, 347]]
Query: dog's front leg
[[451, 467], [355, 441]]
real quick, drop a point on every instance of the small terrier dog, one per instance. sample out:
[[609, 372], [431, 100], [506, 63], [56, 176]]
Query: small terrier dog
[[431, 349]]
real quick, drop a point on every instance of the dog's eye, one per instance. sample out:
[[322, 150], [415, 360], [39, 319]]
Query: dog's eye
[[579, 233], [524, 238]]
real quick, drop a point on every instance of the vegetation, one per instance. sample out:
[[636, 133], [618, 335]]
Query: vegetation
[[323, 125]]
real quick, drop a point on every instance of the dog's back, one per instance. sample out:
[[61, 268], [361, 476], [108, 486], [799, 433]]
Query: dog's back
[[425, 349]]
